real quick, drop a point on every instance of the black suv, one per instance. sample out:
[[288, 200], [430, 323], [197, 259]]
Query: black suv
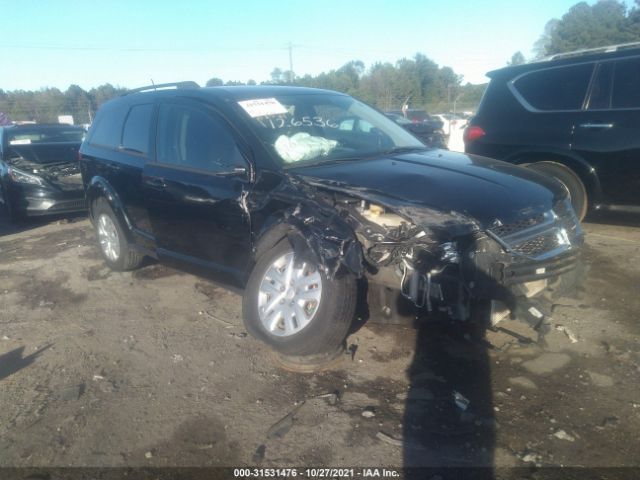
[[574, 116], [267, 187]]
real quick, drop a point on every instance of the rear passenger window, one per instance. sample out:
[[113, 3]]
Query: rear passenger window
[[192, 138], [135, 136], [108, 126], [626, 84], [562, 88]]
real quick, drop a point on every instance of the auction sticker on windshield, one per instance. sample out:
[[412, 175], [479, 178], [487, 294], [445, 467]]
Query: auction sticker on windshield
[[261, 107]]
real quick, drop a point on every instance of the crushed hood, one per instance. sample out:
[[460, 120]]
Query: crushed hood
[[455, 184]]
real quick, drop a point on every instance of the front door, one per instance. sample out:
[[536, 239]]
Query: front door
[[607, 135], [195, 189]]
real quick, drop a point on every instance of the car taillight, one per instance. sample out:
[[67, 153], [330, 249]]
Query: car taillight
[[473, 133]]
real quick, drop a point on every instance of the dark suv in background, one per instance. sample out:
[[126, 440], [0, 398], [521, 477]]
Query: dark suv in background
[[574, 116]]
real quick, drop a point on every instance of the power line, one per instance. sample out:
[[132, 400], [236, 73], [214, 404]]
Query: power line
[[138, 49]]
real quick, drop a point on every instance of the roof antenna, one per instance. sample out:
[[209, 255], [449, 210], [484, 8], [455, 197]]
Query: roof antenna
[[154, 85]]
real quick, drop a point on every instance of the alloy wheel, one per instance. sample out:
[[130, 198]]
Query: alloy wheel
[[289, 296]]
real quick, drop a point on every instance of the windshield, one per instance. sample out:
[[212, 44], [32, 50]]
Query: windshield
[[44, 135], [324, 127]]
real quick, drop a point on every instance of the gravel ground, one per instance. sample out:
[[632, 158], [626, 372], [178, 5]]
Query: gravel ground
[[154, 368]]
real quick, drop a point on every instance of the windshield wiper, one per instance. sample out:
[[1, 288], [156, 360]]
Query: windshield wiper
[[394, 150], [363, 156]]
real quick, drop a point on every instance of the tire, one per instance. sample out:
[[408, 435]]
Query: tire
[[326, 318], [571, 181], [121, 255], [13, 215]]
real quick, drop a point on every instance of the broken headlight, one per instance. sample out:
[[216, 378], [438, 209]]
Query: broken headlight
[[19, 176]]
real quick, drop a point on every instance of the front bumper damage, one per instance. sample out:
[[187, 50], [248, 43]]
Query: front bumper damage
[[418, 260], [513, 274]]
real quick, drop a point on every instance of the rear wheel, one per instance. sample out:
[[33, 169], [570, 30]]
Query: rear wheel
[[571, 181], [118, 252], [295, 308]]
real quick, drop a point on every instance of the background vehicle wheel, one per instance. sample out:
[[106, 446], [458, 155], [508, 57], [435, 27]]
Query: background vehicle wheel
[[118, 253], [570, 180], [15, 217], [297, 310]]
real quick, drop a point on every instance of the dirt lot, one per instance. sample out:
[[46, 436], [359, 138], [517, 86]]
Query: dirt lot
[[154, 368]]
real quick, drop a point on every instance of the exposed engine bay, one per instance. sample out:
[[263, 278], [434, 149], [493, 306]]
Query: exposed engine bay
[[63, 174], [449, 263]]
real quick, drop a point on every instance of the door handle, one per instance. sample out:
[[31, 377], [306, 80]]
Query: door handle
[[156, 183], [596, 125]]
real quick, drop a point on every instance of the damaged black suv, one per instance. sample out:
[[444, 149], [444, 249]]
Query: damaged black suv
[[274, 189]]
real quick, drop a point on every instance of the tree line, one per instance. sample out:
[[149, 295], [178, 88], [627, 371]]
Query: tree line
[[606, 22], [46, 104], [417, 81]]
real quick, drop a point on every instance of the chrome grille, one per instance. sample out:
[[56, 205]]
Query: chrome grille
[[538, 245], [505, 230], [541, 236]]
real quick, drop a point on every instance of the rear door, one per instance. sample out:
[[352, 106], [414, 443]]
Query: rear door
[[116, 151], [196, 187], [607, 134], [554, 97]]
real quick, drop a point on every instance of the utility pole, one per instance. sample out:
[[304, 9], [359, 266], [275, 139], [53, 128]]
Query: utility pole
[[290, 62]]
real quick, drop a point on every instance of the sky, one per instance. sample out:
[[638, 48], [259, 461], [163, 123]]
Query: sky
[[55, 43]]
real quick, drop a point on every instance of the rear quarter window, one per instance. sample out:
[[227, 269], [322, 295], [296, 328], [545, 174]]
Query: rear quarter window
[[560, 88], [107, 129], [626, 84], [137, 126]]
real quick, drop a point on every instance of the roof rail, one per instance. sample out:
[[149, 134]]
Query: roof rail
[[588, 51], [163, 86]]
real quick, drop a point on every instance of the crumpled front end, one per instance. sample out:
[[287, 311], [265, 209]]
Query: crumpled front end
[[452, 264], [420, 259]]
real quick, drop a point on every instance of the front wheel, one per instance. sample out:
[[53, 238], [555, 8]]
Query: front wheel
[[293, 307]]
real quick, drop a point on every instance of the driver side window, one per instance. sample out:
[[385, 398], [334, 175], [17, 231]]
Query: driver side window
[[191, 138]]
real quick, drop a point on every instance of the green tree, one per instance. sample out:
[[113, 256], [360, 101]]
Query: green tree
[[214, 82], [543, 44], [516, 59], [606, 22], [277, 76], [104, 93], [77, 104]]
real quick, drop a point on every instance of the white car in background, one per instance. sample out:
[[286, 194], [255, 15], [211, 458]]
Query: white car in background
[[453, 127]]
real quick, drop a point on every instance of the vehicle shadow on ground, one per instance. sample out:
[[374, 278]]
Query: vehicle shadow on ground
[[14, 361], [7, 228], [449, 423], [449, 426]]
